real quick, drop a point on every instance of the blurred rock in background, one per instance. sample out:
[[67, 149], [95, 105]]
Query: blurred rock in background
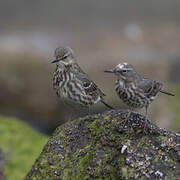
[[102, 34], [2, 159]]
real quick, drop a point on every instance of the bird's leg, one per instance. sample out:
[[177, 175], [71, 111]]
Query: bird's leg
[[127, 118], [145, 124]]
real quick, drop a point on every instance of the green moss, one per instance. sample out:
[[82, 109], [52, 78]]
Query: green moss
[[156, 159], [116, 138], [67, 173], [171, 161], [95, 128], [107, 117], [124, 172], [142, 141], [121, 160], [160, 152], [163, 138], [21, 146], [131, 172], [82, 166], [127, 172]]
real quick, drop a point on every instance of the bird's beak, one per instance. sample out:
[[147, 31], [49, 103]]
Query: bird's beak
[[54, 61], [110, 71]]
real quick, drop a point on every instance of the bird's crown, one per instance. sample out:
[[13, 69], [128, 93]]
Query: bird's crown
[[63, 52], [124, 66], [64, 55]]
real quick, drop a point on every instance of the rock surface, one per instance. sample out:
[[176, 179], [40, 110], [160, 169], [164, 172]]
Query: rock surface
[[98, 147]]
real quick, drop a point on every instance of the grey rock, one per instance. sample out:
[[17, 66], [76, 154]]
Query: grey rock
[[98, 147]]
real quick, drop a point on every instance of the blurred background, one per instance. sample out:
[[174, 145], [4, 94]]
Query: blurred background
[[102, 34]]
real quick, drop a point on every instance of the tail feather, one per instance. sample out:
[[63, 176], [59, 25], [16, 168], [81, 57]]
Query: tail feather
[[165, 92], [107, 105]]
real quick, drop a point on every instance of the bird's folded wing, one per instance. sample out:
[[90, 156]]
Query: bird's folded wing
[[89, 86], [149, 87]]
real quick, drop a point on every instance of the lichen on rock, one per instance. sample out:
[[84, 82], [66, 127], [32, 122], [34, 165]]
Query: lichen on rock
[[99, 147]]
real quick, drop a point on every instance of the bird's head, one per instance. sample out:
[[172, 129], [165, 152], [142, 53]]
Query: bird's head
[[124, 71], [64, 55]]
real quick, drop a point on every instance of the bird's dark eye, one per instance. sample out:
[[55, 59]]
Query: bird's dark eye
[[64, 57], [86, 84], [124, 71]]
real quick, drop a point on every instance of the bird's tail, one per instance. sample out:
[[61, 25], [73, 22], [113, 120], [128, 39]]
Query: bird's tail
[[107, 105], [165, 92]]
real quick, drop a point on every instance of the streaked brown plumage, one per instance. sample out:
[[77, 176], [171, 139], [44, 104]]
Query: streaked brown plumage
[[133, 89], [70, 82]]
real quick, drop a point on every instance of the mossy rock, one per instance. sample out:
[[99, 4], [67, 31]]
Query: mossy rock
[[99, 147]]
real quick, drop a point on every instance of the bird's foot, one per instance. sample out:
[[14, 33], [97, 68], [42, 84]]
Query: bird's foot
[[145, 132], [125, 122]]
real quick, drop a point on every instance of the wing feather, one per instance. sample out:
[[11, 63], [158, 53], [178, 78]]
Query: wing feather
[[89, 86], [149, 87]]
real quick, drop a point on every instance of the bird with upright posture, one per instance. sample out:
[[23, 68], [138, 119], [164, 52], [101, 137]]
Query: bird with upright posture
[[133, 89], [71, 83]]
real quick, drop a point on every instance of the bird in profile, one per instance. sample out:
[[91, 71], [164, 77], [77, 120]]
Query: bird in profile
[[72, 83], [133, 89]]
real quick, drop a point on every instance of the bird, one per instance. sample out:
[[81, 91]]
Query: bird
[[135, 90], [70, 82]]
